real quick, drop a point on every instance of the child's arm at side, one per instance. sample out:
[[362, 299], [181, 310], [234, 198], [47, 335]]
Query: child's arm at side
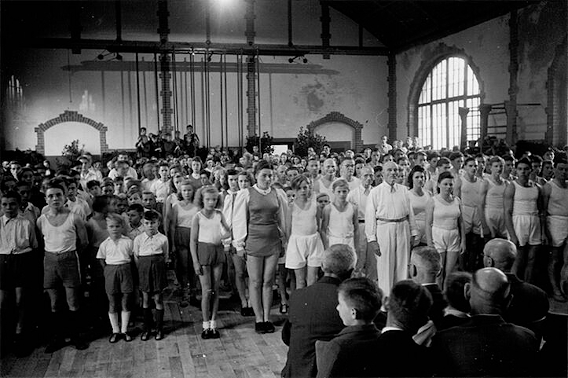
[[193, 245], [355, 227], [225, 227], [324, 224]]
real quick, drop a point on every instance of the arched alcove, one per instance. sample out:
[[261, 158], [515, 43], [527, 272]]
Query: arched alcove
[[69, 116], [557, 98], [337, 117]]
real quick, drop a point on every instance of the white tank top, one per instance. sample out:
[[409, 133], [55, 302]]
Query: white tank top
[[209, 229], [446, 214], [328, 191], [418, 205], [494, 198], [59, 239], [304, 222], [525, 200], [558, 202], [341, 222], [470, 192], [184, 218]]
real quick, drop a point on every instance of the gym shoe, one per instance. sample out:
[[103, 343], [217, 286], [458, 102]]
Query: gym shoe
[[259, 327], [126, 336], [159, 335], [269, 327], [114, 338], [214, 334], [145, 336], [206, 334]]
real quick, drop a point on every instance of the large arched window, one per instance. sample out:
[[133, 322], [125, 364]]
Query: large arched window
[[449, 86]]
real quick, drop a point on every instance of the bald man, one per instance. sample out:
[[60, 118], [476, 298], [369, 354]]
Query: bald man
[[529, 303], [390, 228], [486, 345]]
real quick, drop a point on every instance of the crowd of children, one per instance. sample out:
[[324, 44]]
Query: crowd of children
[[113, 233]]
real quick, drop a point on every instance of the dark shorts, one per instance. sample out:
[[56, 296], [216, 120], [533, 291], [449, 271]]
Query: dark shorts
[[61, 269], [118, 279], [16, 270], [210, 254], [182, 236], [152, 273]]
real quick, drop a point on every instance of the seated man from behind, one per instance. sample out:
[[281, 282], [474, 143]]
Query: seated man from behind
[[313, 315], [350, 353], [486, 345], [457, 311], [529, 303], [396, 353]]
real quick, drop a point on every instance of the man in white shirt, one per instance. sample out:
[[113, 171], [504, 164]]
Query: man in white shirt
[[390, 228]]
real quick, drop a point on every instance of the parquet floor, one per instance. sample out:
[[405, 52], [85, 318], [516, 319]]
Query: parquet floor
[[240, 352]]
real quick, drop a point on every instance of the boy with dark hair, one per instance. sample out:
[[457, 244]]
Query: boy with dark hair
[[17, 242], [65, 238], [350, 352]]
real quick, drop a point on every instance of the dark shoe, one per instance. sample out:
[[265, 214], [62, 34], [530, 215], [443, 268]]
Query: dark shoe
[[126, 336], [205, 334], [269, 327], [145, 336], [159, 335], [249, 311], [114, 338], [259, 327], [214, 334], [79, 343], [283, 308], [54, 345]]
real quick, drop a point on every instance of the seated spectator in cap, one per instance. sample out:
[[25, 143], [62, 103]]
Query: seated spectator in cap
[[529, 303], [350, 353], [457, 310], [122, 167], [397, 355], [486, 345], [313, 315]]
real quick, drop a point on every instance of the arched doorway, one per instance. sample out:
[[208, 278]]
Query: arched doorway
[[332, 126], [70, 116]]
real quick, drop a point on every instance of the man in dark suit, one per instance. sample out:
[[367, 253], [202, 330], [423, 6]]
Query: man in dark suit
[[312, 315], [486, 345], [396, 353], [529, 303], [351, 352], [425, 265]]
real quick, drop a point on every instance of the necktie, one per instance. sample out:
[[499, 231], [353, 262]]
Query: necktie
[[393, 189]]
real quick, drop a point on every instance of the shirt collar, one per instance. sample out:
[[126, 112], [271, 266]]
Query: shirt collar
[[262, 191], [5, 219], [385, 329]]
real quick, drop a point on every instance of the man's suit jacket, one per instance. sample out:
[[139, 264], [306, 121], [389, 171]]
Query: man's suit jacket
[[349, 354], [312, 317], [397, 355], [529, 303], [485, 346]]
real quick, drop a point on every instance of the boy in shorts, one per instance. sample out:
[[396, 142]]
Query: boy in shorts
[[65, 237], [17, 243], [151, 251]]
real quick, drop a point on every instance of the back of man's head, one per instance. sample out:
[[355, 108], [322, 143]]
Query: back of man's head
[[499, 253], [408, 306], [363, 296], [454, 290], [338, 260], [488, 292], [425, 264]]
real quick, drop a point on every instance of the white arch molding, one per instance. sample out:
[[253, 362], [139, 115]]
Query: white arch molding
[[70, 116], [337, 117]]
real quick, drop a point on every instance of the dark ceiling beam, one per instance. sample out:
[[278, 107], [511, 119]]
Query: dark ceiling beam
[[181, 47]]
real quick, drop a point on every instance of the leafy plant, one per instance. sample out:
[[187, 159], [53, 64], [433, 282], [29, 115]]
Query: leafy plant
[[307, 139], [70, 154]]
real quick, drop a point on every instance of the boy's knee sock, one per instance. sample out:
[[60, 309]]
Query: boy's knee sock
[[148, 319], [159, 319], [113, 317], [125, 318]]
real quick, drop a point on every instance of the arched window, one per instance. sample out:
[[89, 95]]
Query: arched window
[[449, 86]]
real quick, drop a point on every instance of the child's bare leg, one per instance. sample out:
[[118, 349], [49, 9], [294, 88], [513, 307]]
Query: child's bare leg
[[217, 272], [206, 294], [300, 274]]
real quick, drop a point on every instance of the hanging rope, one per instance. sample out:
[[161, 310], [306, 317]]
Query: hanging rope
[[207, 101], [226, 103], [221, 98], [258, 96], [157, 90], [240, 99], [138, 94], [145, 94], [203, 123], [185, 102], [174, 75], [192, 87]]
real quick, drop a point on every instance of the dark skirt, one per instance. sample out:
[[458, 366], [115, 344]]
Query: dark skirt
[[152, 273], [182, 237], [118, 279], [210, 254], [263, 240]]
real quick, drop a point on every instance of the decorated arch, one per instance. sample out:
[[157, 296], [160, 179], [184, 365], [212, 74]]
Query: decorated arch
[[337, 117]]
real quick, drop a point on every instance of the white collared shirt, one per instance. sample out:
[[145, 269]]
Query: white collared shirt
[[17, 235]]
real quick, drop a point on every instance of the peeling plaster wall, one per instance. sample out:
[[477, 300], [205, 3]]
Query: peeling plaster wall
[[541, 29], [486, 44], [355, 86]]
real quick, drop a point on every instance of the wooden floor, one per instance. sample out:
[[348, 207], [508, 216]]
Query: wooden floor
[[240, 352]]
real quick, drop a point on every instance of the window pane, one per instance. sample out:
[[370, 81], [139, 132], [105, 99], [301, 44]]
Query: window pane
[[454, 124]]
